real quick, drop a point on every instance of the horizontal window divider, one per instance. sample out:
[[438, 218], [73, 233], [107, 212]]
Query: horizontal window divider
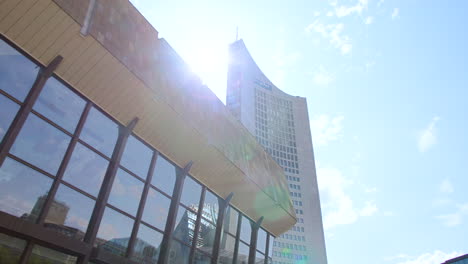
[[120, 211], [73, 187], [152, 226], [7, 95], [27, 164], [131, 173], [50, 122], [161, 191], [93, 149]]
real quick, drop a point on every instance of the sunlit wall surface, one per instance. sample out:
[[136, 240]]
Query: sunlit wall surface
[[280, 123], [58, 172]]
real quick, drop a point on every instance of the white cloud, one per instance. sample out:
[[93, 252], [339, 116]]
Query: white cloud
[[371, 190], [326, 129], [446, 186], [369, 20], [435, 257], [334, 34], [329, 14], [316, 13], [369, 209], [427, 137], [342, 11], [322, 77], [456, 218], [395, 13]]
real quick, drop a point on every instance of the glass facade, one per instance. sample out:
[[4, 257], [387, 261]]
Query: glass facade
[[63, 172]]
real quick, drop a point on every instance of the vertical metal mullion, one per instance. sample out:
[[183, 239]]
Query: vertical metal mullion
[[63, 165], [253, 240], [223, 205], [26, 253], [141, 206], [42, 76], [267, 249], [236, 244], [171, 218], [197, 225], [96, 217]]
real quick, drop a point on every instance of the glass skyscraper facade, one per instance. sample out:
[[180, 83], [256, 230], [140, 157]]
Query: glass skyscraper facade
[[280, 124]]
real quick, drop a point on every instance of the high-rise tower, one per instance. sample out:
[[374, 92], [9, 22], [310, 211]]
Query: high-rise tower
[[280, 123]]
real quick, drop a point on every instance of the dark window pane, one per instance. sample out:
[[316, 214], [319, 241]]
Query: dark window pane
[[246, 230], [100, 132], [70, 213], [126, 192], [47, 255], [200, 258], [226, 249], [10, 249], [22, 190], [41, 144], [137, 157], [114, 232], [147, 244], [156, 209], [191, 193], [185, 225], [59, 104], [86, 169], [178, 253], [17, 73], [7, 114], [210, 207], [206, 235], [230, 220], [261, 240], [243, 254], [164, 175]]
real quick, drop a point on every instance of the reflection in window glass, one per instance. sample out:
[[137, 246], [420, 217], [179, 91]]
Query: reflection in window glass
[[185, 225], [10, 248], [17, 73], [70, 212], [114, 232], [270, 246], [243, 254], [156, 209], [200, 258], [259, 258], [126, 192], [100, 132], [191, 193], [261, 240], [7, 114], [60, 104], [45, 149], [226, 251], [147, 245], [136, 157], [179, 253], [164, 175], [47, 255], [86, 169], [22, 190], [246, 230], [230, 220], [210, 207], [206, 236]]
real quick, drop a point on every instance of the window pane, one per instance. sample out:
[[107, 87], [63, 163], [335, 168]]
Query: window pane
[[243, 255], [206, 236], [270, 246], [114, 232], [210, 207], [17, 73], [100, 132], [200, 258], [41, 144], [185, 225], [147, 245], [164, 175], [137, 157], [261, 240], [179, 253], [226, 249], [10, 249], [156, 209], [191, 194], [7, 114], [59, 104], [22, 190], [126, 192], [47, 255], [70, 213], [246, 230], [86, 169], [259, 258], [230, 221]]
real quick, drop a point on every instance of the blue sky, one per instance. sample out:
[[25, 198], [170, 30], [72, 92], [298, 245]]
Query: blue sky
[[386, 83]]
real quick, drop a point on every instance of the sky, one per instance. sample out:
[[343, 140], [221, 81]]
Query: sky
[[386, 84]]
